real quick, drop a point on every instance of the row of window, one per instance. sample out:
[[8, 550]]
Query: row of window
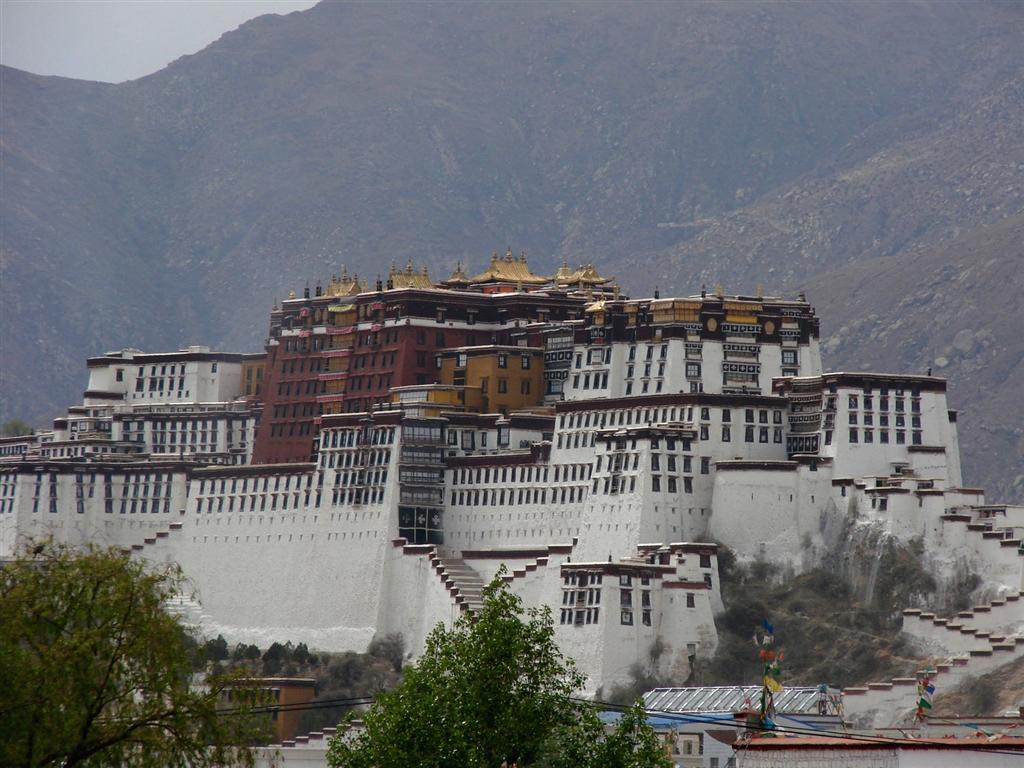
[[566, 494], [523, 474], [253, 484], [883, 436]]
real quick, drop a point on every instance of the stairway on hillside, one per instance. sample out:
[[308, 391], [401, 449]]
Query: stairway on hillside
[[468, 586]]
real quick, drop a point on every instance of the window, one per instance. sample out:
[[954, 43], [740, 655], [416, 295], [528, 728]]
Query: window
[[726, 434], [213, 368], [748, 434], [502, 386], [853, 402], [854, 434], [656, 482], [524, 387], [503, 361], [789, 357], [690, 602], [119, 375], [693, 370], [525, 363], [705, 465]]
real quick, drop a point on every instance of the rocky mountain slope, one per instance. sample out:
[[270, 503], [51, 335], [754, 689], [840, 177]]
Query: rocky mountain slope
[[674, 145], [953, 308]]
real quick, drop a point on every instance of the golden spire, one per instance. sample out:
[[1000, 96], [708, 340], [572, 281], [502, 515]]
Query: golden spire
[[760, 290], [719, 291]]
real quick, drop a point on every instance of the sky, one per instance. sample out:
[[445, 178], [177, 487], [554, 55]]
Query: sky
[[117, 40]]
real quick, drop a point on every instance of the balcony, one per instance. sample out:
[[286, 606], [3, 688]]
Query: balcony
[[332, 376], [336, 352]]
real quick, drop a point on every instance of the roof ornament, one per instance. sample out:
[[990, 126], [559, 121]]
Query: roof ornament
[[719, 290], [760, 290], [522, 256], [291, 294], [508, 256]]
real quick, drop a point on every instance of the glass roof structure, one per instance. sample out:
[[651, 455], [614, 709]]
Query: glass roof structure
[[730, 698]]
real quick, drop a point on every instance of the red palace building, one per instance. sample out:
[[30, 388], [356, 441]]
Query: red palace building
[[343, 348]]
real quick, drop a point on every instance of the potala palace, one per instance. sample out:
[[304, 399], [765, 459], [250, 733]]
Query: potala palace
[[398, 443]]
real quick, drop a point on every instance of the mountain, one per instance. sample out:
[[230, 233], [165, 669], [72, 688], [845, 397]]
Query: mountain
[[672, 144]]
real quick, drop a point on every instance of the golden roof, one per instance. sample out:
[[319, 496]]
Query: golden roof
[[344, 285], [458, 277], [586, 274], [409, 277], [508, 270]]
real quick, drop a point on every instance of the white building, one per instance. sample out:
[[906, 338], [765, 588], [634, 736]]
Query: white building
[[683, 421]]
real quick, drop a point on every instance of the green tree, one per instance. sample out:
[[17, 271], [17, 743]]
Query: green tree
[[631, 744], [491, 690], [97, 672]]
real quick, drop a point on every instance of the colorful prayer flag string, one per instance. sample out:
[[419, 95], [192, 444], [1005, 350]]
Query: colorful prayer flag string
[[925, 690]]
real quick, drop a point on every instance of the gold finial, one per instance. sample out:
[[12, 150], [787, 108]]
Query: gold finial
[[615, 291], [344, 272], [719, 291], [425, 273], [393, 270], [509, 256], [522, 256], [408, 266], [291, 294], [275, 304], [760, 290], [494, 258]]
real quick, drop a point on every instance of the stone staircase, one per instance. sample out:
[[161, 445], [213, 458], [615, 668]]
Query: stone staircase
[[462, 581], [989, 627]]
